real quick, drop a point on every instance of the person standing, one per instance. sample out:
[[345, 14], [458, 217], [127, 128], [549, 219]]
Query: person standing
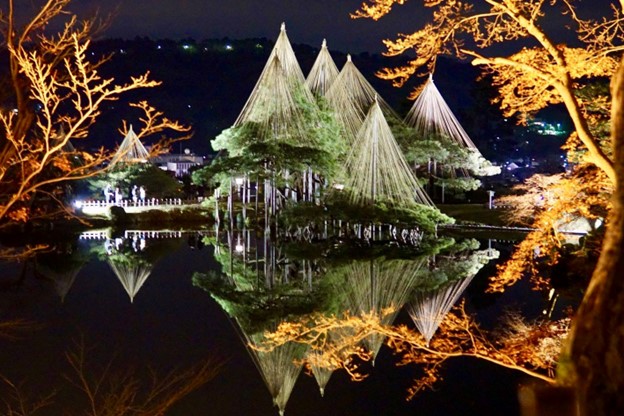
[[118, 196], [142, 195], [108, 193], [135, 195]]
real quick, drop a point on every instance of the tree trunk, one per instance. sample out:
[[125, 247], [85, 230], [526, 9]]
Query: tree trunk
[[597, 341]]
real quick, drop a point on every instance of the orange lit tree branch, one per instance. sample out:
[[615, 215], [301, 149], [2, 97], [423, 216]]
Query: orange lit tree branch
[[529, 79], [337, 342], [39, 159], [58, 95], [154, 122]]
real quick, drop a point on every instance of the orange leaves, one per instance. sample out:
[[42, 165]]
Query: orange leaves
[[53, 72], [538, 74], [534, 344], [549, 204], [337, 342], [19, 215], [532, 79], [62, 163], [375, 9], [584, 63], [154, 121]]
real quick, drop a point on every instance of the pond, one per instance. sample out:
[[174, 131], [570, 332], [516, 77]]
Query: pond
[[114, 309]]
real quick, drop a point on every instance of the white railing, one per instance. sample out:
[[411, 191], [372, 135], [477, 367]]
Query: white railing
[[150, 202]]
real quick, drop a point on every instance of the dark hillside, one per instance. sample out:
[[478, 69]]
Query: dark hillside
[[207, 83]]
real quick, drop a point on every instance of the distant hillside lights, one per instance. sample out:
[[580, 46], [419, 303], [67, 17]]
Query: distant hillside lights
[[191, 47], [546, 128]]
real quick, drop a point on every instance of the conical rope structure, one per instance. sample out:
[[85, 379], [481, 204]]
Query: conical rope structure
[[291, 77], [351, 97], [323, 73], [131, 150], [274, 109], [131, 276], [431, 115], [381, 288], [378, 169]]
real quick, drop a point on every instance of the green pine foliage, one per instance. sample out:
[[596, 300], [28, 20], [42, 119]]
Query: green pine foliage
[[338, 206], [158, 183]]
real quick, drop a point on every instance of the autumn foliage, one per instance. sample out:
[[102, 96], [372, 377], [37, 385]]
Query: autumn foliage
[[54, 95], [540, 72], [337, 342]]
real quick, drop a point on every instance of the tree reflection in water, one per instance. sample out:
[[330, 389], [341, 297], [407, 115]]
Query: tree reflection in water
[[330, 305], [322, 304], [93, 384]]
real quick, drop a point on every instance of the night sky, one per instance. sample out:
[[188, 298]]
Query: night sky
[[307, 22]]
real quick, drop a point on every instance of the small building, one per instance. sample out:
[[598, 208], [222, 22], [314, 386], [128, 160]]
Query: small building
[[179, 164]]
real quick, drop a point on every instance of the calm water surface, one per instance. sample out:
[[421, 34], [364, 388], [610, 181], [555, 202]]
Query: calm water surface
[[136, 304]]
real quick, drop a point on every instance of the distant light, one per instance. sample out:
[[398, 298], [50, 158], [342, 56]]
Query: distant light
[[78, 204], [228, 47], [158, 47], [239, 181], [185, 46], [239, 248]]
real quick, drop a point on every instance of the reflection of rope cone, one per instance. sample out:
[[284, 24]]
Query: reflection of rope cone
[[429, 308], [277, 367], [63, 281], [381, 288], [321, 373], [131, 277]]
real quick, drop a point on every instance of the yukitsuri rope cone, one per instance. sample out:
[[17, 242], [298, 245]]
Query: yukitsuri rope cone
[[378, 169]]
